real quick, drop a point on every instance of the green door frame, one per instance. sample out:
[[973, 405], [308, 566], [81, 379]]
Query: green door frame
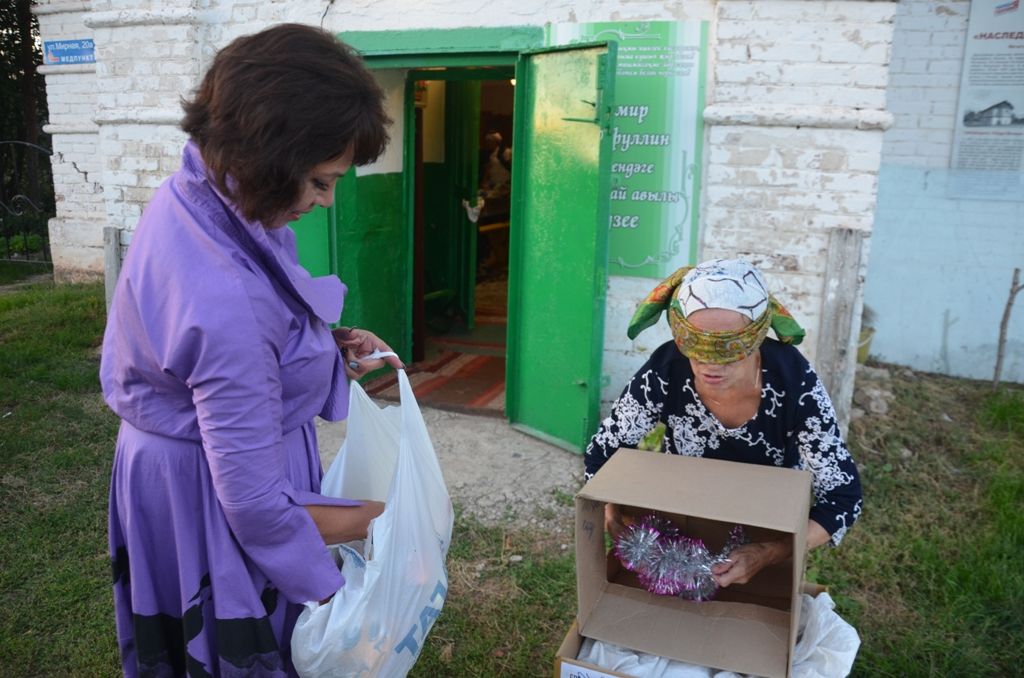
[[444, 47], [495, 52]]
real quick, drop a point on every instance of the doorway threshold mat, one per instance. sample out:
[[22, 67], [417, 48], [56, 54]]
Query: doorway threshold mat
[[487, 338], [464, 382]]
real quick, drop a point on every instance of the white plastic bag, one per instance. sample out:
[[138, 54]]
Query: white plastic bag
[[395, 583], [827, 644], [825, 648]]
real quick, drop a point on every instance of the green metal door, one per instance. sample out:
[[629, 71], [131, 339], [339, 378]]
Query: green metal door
[[362, 239], [374, 255], [559, 241], [313, 233], [462, 132]]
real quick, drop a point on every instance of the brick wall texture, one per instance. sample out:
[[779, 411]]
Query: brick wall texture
[[783, 163], [924, 82]]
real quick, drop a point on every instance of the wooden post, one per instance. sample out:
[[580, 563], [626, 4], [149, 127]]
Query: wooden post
[[111, 260], [1015, 288], [840, 319]]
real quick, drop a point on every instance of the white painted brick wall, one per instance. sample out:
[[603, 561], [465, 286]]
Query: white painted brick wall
[[962, 252], [771, 193], [622, 356], [927, 55], [138, 158], [77, 176], [145, 66], [77, 258], [799, 52], [76, 230]]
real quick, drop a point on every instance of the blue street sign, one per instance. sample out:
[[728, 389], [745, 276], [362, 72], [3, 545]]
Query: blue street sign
[[61, 52]]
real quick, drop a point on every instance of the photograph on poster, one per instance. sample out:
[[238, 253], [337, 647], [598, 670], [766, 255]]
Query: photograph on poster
[[996, 115], [988, 144]]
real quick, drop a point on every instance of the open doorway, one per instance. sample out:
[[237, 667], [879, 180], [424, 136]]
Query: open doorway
[[558, 227], [462, 154]]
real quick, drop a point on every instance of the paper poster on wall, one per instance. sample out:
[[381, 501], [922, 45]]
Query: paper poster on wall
[[988, 143], [657, 140]]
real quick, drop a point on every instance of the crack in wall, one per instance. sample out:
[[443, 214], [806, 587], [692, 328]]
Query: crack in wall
[[85, 175]]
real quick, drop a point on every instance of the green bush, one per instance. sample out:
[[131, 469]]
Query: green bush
[[23, 235], [25, 244]]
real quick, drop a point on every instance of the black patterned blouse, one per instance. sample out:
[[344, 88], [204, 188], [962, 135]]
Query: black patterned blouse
[[794, 427]]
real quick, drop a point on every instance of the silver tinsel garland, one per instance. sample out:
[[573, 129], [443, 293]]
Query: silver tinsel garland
[[669, 563]]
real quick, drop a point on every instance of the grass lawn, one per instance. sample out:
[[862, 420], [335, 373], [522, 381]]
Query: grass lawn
[[931, 577]]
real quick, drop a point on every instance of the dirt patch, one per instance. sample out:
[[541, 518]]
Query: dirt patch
[[495, 473]]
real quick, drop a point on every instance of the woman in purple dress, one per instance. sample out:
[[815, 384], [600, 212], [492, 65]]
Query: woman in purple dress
[[218, 356]]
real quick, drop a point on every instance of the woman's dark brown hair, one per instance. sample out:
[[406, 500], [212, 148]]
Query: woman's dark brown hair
[[275, 104]]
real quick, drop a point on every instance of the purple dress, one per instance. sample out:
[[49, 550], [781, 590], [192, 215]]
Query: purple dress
[[217, 357]]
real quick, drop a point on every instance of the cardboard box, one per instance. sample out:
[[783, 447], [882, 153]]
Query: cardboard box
[[750, 628], [567, 667]]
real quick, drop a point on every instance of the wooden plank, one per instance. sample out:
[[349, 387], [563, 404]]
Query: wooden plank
[[840, 319]]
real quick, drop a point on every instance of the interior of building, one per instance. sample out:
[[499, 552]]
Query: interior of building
[[463, 197]]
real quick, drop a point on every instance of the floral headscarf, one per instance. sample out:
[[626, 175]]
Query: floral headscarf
[[731, 284]]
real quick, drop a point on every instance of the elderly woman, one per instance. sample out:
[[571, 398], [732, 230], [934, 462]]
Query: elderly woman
[[724, 390], [217, 358]]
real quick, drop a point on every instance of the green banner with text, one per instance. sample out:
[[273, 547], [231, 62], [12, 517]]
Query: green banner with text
[[657, 140]]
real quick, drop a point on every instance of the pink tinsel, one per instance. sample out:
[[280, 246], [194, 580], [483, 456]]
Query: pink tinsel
[[669, 563]]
